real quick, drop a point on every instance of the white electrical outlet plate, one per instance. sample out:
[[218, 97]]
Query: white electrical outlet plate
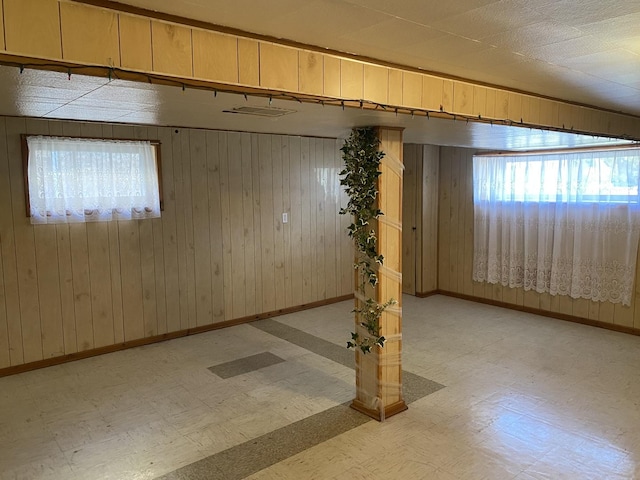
[[285, 218]]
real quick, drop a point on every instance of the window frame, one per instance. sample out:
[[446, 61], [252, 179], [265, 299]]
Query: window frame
[[156, 144]]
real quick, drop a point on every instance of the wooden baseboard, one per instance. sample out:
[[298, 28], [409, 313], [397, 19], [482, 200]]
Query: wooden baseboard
[[426, 294], [25, 367], [543, 313]]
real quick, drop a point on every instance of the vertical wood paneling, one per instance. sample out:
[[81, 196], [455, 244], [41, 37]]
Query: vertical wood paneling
[[331, 76], [490, 105], [11, 305], [395, 86], [248, 226], [171, 49], [135, 42], [412, 89], [418, 228], [215, 223], [581, 309], [24, 248], [432, 89], [225, 225], [2, 43], [82, 284], [548, 112], [479, 100], [220, 250], [295, 219], [33, 28], [376, 83], [201, 240], [311, 72], [248, 61], [502, 104], [330, 217], [515, 106], [278, 67], [447, 95], [236, 224], [257, 219], [5, 359], [410, 190], [318, 221], [305, 212], [429, 209], [534, 110], [351, 79], [286, 208], [89, 34], [267, 229], [565, 116], [180, 193], [525, 105], [66, 274], [215, 56], [444, 188], [315, 241], [278, 238], [455, 267], [100, 280], [189, 232], [131, 278], [463, 98]]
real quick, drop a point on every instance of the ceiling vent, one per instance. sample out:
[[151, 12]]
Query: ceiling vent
[[271, 112]]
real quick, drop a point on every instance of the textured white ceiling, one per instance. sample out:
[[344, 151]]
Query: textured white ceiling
[[586, 51], [52, 95]]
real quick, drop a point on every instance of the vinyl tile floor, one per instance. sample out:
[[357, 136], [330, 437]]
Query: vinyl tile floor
[[507, 395]]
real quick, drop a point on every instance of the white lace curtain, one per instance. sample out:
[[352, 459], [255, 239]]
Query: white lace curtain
[[563, 223], [82, 180]]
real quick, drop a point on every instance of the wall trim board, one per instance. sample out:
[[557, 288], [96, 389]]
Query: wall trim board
[[543, 313], [49, 362]]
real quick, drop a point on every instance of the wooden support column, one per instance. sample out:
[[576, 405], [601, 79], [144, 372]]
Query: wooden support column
[[379, 373]]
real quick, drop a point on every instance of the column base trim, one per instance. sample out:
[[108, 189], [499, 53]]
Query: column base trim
[[389, 410]]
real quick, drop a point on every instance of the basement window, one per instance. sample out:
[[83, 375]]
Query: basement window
[[564, 223], [582, 177], [75, 180]]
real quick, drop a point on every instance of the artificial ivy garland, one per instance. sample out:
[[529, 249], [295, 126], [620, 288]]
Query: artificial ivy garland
[[360, 174]]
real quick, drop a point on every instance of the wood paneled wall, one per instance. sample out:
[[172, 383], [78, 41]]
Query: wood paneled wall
[[420, 219], [63, 32], [219, 252], [455, 243]]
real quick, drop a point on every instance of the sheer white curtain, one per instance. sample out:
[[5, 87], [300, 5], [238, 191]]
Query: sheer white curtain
[[84, 180], [563, 223]]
